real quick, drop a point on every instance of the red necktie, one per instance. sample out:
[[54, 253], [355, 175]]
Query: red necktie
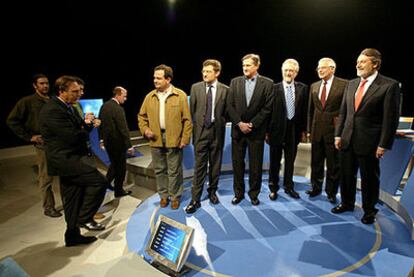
[[323, 95], [359, 94]]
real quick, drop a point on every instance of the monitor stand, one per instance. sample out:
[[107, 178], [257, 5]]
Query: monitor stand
[[169, 271]]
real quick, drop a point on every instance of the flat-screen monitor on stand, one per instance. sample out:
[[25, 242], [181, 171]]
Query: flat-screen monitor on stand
[[169, 245]]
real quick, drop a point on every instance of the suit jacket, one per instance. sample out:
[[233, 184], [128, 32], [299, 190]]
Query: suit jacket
[[258, 110], [278, 119], [198, 109], [65, 135], [321, 123], [114, 127], [376, 120]]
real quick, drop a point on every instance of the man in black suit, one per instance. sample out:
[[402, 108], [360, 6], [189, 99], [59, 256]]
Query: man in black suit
[[65, 134], [114, 134], [325, 97], [249, 103], [287, 127], [208, 112], [366, 127]]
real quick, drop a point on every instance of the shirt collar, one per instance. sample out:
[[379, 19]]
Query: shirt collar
[[329, 81], [253, 79], [285, 84], [371, 78], [213, 84], [167, 91]]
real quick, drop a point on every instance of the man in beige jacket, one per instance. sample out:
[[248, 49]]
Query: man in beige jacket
[[164, 118]]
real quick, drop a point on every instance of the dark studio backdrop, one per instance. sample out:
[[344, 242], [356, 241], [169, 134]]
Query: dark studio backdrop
[[119, 44]]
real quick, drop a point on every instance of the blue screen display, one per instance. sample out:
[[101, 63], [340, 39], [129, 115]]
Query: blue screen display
[[91, 105], [168, 241]]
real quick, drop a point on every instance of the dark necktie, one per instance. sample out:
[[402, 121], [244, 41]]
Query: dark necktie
[[323, 95], [70, 109], [209, 108]]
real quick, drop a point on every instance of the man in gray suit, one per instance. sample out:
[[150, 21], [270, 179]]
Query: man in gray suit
[[208, 112], [366, 127], [325, 97], [249, 104]]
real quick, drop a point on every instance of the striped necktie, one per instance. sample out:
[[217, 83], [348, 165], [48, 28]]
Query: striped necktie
[[290, 102]]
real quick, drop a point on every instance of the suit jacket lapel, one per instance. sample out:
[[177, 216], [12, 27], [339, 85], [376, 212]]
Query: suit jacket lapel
[[219, 94], [353, 86], [332, 92], [242, 88], [202, 97], [372, 88], [297, 97], [316, 95], [280, 89]]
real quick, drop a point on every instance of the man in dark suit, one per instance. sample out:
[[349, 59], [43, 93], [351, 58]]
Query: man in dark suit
[[114, 134], [208, 111], [65, 134], [287, 127], [367, 122], [249, 103], [325, 97]]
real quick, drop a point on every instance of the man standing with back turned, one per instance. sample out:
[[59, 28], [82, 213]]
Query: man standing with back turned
[[367, 122], [114, 133]]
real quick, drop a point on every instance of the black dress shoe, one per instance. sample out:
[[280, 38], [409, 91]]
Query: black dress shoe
[[213, 198], [236, 200], [79, 239], [368, 218], [313, 193], [122, 193], [192, 207], [273, 196], [341, 209], [332, 199], [92, 226], [255, 201], [292, 193], [52, 212]]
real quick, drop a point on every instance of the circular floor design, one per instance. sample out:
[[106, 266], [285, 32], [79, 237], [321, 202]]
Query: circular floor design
[[286, 237]]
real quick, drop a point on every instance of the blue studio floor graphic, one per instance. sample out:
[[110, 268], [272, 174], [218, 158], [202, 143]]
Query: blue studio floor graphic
[[286, 237]]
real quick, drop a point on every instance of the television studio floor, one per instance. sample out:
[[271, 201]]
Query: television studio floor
[[282, 238]]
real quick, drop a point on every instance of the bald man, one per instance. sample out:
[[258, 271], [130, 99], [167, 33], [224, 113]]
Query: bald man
[[114, 134]]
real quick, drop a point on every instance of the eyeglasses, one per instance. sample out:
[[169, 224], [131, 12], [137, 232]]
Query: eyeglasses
[[76, 91], [323, 67]]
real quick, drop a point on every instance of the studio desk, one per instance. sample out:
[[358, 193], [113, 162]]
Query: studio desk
[[393, 168]]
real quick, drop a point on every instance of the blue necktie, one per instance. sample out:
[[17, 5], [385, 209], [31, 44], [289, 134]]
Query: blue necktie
[[290, 102], [209, 107]]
